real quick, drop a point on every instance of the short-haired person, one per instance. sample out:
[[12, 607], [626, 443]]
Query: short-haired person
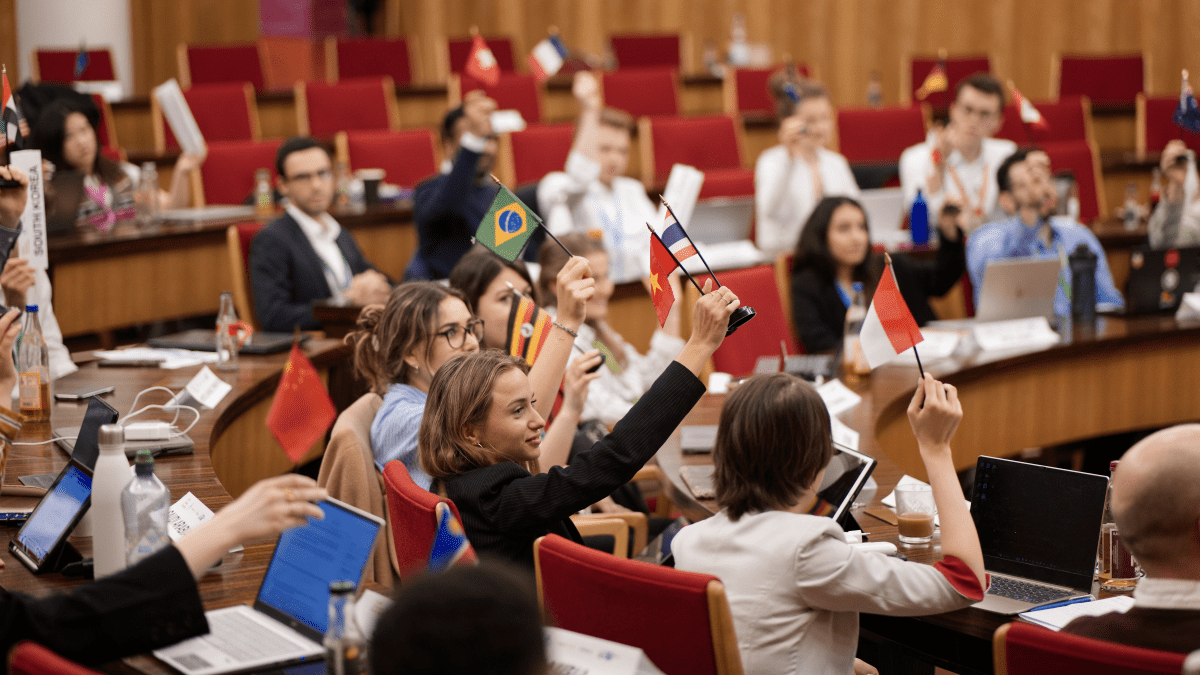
[[593, 195], [1156, 505], [960, 158], [792, 177], [795, 587], [834, 253], [481, 435], [1034, 231], [1175, 222], [304, 255]]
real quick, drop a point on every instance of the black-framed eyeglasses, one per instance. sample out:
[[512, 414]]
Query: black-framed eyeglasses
[[456, 335]]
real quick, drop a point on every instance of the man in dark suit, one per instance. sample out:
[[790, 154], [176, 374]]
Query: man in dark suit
[[304, 255], [1156, 505]]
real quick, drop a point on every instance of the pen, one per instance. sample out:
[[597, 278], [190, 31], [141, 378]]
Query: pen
[[1064, 603]]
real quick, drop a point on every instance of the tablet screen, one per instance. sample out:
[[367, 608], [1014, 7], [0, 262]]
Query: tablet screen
[[57, 513], [845, 476]]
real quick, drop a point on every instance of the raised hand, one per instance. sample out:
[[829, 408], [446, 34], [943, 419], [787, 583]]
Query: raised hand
[[575, 287], [934, 414]]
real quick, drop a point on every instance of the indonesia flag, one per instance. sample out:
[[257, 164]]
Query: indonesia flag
[[1029, 114], [889, 327], [677, 241]]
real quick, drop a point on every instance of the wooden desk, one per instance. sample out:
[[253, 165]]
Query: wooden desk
[[1126, 375]]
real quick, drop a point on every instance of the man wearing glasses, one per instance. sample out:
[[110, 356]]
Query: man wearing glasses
[[304, 255], [956, 165]]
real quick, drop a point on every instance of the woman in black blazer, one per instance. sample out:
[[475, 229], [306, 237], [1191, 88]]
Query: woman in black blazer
[[834, 253]]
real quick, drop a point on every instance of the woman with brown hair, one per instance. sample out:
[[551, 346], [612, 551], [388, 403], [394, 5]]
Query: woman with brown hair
[[481, 440], [795, 586], [488, 281]]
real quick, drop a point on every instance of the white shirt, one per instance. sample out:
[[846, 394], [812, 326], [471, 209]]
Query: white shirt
[[979, 175], [1154, 593], [783, 194], [795, 588], [576, 201], [323, 236]]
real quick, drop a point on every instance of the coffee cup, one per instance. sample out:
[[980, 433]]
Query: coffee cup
[[371, 179]]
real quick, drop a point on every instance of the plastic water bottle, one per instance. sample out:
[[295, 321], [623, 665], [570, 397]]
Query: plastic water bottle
[[345, 645], [147, 195], [263, 197], [33, 370], [918, 220], [1132, 209], [227, 334], [109, 479], [853, 359], [145, 503]]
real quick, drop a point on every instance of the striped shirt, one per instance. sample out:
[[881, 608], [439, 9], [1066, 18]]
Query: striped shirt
[[394, 431]]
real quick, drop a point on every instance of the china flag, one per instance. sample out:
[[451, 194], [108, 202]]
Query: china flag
[[660, 286], [302, 411], [481, 63]]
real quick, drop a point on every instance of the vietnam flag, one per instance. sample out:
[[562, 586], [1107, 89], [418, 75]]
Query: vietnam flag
[[661, 265], [302, 411], [1029, 114], [935, 81], [481, 63], [889, 327]]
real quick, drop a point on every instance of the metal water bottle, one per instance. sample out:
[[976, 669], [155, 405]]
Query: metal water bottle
[[918, 220], [109, 479], [1083, 284]]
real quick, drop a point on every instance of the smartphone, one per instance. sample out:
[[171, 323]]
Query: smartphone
[[1180, 160], [83, 393]]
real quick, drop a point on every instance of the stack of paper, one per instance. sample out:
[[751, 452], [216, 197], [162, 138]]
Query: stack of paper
[[1057, 616]]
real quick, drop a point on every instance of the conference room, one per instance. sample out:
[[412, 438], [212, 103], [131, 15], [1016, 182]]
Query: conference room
[[258, 218]]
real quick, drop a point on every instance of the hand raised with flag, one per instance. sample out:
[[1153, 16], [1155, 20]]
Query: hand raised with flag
[[574, 287], [710, 320], [477, 111], [934, 414], [12, 200]]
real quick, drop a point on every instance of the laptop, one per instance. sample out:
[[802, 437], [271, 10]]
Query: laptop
[[1158, 279], [1039, 527], [205, 340], [1018, 288], [885, 212], [721, 219], [291, 611]]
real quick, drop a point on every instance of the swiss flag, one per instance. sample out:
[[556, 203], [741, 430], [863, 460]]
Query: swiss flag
[[889, 327], [481, 63], [302, 411]]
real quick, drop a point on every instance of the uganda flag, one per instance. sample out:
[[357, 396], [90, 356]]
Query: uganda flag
[[528, 327], [507, 225]]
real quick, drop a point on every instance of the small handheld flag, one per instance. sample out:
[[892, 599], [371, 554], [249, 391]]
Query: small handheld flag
[[82, 59], [1029, 114], [660, 287], [547, 58], [934, 82], [528, 328], [450, 544], [481, 63], [664, 261], [1187, 115], [508, 224], [677, 241], [11, 116], [302, 411], [889, 327]]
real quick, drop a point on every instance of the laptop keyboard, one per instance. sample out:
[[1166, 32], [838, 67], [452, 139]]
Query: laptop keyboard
[[244, 639], [1015, 589]]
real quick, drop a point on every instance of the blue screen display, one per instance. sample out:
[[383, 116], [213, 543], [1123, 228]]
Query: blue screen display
[[307, 559], [56, 512]]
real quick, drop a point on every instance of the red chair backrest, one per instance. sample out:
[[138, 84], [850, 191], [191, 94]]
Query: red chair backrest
[[348, 105], [727, 183], [878, 135], [221, 110], [55, 65], [246, 232], [642, 91], [957, 68], [1068, 120], [502, 49], [1159, 127], [1077, 157], [703, 142], [1111, 79], [646, 51], [540, 149], [1026, 649], [755, 287], [414, 526], [374, 57], [228, 171], [513, 92], [209, 64], [407, 156], [752, 93], [30, 658], [660, 610]]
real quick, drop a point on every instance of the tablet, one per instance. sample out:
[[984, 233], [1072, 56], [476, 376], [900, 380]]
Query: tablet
[[845, 476], [54, 518]]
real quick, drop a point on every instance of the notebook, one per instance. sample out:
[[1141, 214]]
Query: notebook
[[1018, 288], [1039, 527], [291, 611]]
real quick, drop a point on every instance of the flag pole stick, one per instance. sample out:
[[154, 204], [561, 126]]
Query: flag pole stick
[[689, 238], [677, 263], [887, 259], [540, 222]]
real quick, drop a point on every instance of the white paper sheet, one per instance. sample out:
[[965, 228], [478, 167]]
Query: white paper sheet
[[838, 397]]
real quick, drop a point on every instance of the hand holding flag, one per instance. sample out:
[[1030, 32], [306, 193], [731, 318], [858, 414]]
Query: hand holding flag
[[889, 327]]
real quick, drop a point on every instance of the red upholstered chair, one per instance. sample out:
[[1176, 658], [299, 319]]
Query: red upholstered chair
[[680, 619], [209, 64], [514, 91], [642, 91], [1155, 127], [712, 144], [646, 50], [227, 174], [58, 65], [1107, 79], [1025, 649], [879, 135], [30, 658], [1082, 159], [373, 57], [237, 241], [1070, 119], [745, 93], [502, 48], [914, 72], [413, 510], [324, 109], [224, 112], [537, 150], [757, 287], [106, 132], [408, 157]]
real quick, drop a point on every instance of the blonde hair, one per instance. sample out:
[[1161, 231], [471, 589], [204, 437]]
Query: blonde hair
[[460, 396]]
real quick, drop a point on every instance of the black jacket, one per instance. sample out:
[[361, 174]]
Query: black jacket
[[504, 509], [287, 276], [820, 315]]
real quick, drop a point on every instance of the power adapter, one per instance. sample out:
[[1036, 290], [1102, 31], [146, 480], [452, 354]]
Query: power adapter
[[155, 430]]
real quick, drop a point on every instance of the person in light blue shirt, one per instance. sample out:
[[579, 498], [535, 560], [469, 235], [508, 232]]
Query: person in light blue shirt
[[1033, 232]]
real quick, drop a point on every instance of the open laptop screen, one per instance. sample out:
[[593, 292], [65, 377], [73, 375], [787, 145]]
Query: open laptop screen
[[307, 559], [1038, 522]]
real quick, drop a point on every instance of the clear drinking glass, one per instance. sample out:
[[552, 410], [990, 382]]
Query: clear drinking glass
[[915, 511]]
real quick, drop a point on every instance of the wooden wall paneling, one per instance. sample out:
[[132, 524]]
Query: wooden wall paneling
[[9, 54], [159, 27]]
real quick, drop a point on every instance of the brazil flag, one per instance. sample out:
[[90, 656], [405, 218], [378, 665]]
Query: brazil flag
[[507, 225]]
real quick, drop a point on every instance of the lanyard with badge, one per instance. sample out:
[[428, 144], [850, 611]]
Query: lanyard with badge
[[616, 233]]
